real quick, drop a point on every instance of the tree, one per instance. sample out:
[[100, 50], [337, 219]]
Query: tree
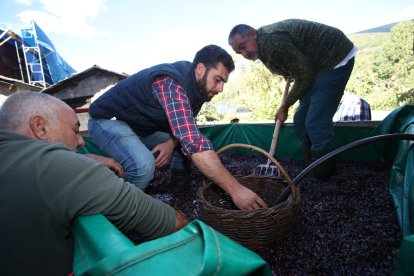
[[264, 88], [208, 113], [394, 65]]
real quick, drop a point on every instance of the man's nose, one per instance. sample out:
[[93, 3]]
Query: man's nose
[[81, 142], [244, 53]]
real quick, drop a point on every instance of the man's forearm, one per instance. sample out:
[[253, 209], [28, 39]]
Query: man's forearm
[[210, 165]]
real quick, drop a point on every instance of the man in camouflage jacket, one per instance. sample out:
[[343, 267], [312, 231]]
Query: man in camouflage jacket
[[320, 59]]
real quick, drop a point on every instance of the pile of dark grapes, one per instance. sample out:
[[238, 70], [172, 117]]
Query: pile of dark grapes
[[347, 225]]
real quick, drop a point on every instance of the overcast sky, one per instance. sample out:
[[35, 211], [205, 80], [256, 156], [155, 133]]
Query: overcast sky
[[129, 35]]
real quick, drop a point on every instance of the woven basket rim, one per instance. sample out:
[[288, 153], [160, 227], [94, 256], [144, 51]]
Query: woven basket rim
[[255, 229], [293, 188]]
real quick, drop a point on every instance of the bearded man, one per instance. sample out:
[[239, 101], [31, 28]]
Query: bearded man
[[147, 121]]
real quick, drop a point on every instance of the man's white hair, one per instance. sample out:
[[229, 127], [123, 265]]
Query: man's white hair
[[16, 111]]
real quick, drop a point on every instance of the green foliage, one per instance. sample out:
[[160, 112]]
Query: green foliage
[[384, 68], [254, 88], [368, 42], [263, 88], [208, 113], [395, 64]]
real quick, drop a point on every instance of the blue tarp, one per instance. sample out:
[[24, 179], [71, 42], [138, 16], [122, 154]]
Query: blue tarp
[[54, 66]]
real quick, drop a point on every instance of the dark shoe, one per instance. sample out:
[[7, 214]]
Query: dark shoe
[[180, 181], [326, 168]]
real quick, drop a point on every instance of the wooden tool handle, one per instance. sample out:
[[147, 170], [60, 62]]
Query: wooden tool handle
[[278, 123], [274, 138]]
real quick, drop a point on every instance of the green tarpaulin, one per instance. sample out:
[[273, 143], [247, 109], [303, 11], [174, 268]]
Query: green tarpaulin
[[401, 183], [260, 135], [197, 249]]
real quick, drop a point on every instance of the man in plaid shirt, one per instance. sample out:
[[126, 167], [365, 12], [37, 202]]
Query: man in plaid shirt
[[148, 121]]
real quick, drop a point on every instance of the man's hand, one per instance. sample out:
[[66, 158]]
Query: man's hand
[[109, 162], [180, 220], [210, 165], [282, 114], [165, 152], [246, 199]]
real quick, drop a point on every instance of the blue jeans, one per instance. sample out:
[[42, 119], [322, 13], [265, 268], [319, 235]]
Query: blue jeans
[[133, 152], [313, 117]]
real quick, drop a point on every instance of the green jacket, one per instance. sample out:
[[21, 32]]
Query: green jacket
[[302, 50], [44, 187]]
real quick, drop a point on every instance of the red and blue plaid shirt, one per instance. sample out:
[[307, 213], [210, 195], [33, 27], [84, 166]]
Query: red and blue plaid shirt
[[176, 105], [352, 108]]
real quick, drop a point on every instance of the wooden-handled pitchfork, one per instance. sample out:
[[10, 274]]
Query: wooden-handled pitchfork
[[268, 169]]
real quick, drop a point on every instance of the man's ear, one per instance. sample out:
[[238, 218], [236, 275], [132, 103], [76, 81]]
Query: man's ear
[[253, 33], [38, 126], [200, 70]]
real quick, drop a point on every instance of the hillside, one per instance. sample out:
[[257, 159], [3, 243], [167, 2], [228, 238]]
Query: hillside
[[371, 39], [368, 41], [380, 29]]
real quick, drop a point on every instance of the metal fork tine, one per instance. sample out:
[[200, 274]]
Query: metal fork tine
[[275, 171], [267, 170]]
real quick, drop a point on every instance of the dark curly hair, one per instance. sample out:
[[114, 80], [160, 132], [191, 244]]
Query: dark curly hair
[[210, 55]]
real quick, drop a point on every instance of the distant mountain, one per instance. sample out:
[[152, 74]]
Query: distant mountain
[[380, 29]]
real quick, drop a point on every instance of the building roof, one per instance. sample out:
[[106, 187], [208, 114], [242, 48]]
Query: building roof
[[77, 89]]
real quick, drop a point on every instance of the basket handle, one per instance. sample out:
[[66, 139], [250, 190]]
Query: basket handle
[[271, 158]]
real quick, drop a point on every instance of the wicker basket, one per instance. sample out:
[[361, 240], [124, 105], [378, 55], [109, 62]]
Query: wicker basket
[[255, 229]]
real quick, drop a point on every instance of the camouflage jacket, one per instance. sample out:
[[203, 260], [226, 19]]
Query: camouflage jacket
[[301, 50]]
